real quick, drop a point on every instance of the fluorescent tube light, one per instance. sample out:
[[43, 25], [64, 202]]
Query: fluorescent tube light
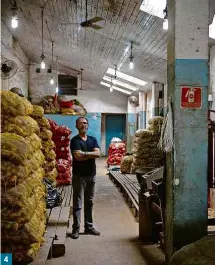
[[116, 88], [120, 83], [126, 77]]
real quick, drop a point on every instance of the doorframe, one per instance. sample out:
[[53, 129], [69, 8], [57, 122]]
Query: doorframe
[[105, 126]]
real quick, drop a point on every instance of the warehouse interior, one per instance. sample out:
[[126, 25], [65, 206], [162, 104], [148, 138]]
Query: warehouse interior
[[143, 74]]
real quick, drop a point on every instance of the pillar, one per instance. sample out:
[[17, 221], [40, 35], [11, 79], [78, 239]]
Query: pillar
[[155, 99], [142, 110], [131, 126], [186, 178]]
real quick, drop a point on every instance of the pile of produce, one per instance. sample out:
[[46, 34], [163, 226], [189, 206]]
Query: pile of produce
[[116, 152], [126, 164], [23, 212], [48, 146], [61, 104], [68, 107], [61, 138], [145, 149]]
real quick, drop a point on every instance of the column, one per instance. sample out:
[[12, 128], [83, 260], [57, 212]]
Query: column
[[131, 126], [186, 179], [142, 110], [155, 100]]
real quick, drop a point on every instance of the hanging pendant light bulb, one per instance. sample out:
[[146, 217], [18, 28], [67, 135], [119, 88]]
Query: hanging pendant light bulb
[[165, 22], [131, 64], [43, 65], [111, 89], [114, 80], [52, 81], [14, 20]]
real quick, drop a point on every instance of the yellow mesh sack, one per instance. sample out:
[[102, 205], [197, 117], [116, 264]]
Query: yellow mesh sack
[[14, 105], [21, 125], [22, 253], [49, 166], [43, 122], [20, 193], [12, 174], [15, 148], [50, 155], [49, 144], [34, 142], [38, 111], [45, 134], [52, 175], [31, 232], [15, 218]]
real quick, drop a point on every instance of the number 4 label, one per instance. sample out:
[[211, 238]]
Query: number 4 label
[[6, 259]]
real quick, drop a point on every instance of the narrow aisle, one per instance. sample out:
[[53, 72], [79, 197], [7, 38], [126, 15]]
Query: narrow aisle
[[118, 244]]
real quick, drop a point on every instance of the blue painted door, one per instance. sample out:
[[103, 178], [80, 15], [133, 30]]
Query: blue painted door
[[115, 127]]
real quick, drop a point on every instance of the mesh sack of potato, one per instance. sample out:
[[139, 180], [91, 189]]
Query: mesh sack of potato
[[52, 175], [31, 232], [49, 144], [156, 121], [126, 163], [146, 161], [49, 166], [12, 175], [38, 111], [15, 148], [14, 105], [15, 217], [45, 134], [152, 140], [34, 142], [143, 133], [20, 193], [200, 252], [67, 111], [22, 253], [43, 123], [21, 125], [50, 155]]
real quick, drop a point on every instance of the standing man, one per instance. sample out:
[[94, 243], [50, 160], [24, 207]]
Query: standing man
[[85, 150]]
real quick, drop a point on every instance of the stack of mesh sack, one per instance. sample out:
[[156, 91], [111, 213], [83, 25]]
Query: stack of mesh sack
[[48, 146], [145, 149], [126, 164], [23, 213]]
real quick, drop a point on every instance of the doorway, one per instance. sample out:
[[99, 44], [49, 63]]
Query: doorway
[[115, 127]]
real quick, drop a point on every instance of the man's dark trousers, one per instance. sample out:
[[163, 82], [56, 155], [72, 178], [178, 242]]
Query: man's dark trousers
[[83, 187]]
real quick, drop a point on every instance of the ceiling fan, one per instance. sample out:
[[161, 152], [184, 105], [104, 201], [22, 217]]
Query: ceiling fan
[[88, 23]]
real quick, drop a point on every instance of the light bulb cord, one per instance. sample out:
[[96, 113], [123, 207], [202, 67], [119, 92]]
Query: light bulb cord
[[42, 31]]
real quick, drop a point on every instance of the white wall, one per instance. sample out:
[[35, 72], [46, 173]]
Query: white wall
[[10, 50], [93, 97], [212, 75]]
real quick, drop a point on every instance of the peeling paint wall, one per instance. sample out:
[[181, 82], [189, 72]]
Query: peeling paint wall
[[10, 50], [94, 98]]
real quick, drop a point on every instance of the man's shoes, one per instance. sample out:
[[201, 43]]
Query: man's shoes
[[75, 234], [92, 231]]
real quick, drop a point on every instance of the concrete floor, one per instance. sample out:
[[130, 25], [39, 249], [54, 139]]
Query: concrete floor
[[118, 243]]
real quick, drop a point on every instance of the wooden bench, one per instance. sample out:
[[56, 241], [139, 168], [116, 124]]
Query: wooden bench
[[56, 229], [129, 186]]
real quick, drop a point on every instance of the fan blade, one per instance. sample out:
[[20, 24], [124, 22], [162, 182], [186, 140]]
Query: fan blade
[[95, 19], [97, 27]]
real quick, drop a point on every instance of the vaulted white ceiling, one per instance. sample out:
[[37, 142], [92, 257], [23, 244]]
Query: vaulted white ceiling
[[93, 50]]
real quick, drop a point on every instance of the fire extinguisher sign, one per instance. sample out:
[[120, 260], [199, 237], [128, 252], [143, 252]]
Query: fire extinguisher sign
[[191, 97]]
